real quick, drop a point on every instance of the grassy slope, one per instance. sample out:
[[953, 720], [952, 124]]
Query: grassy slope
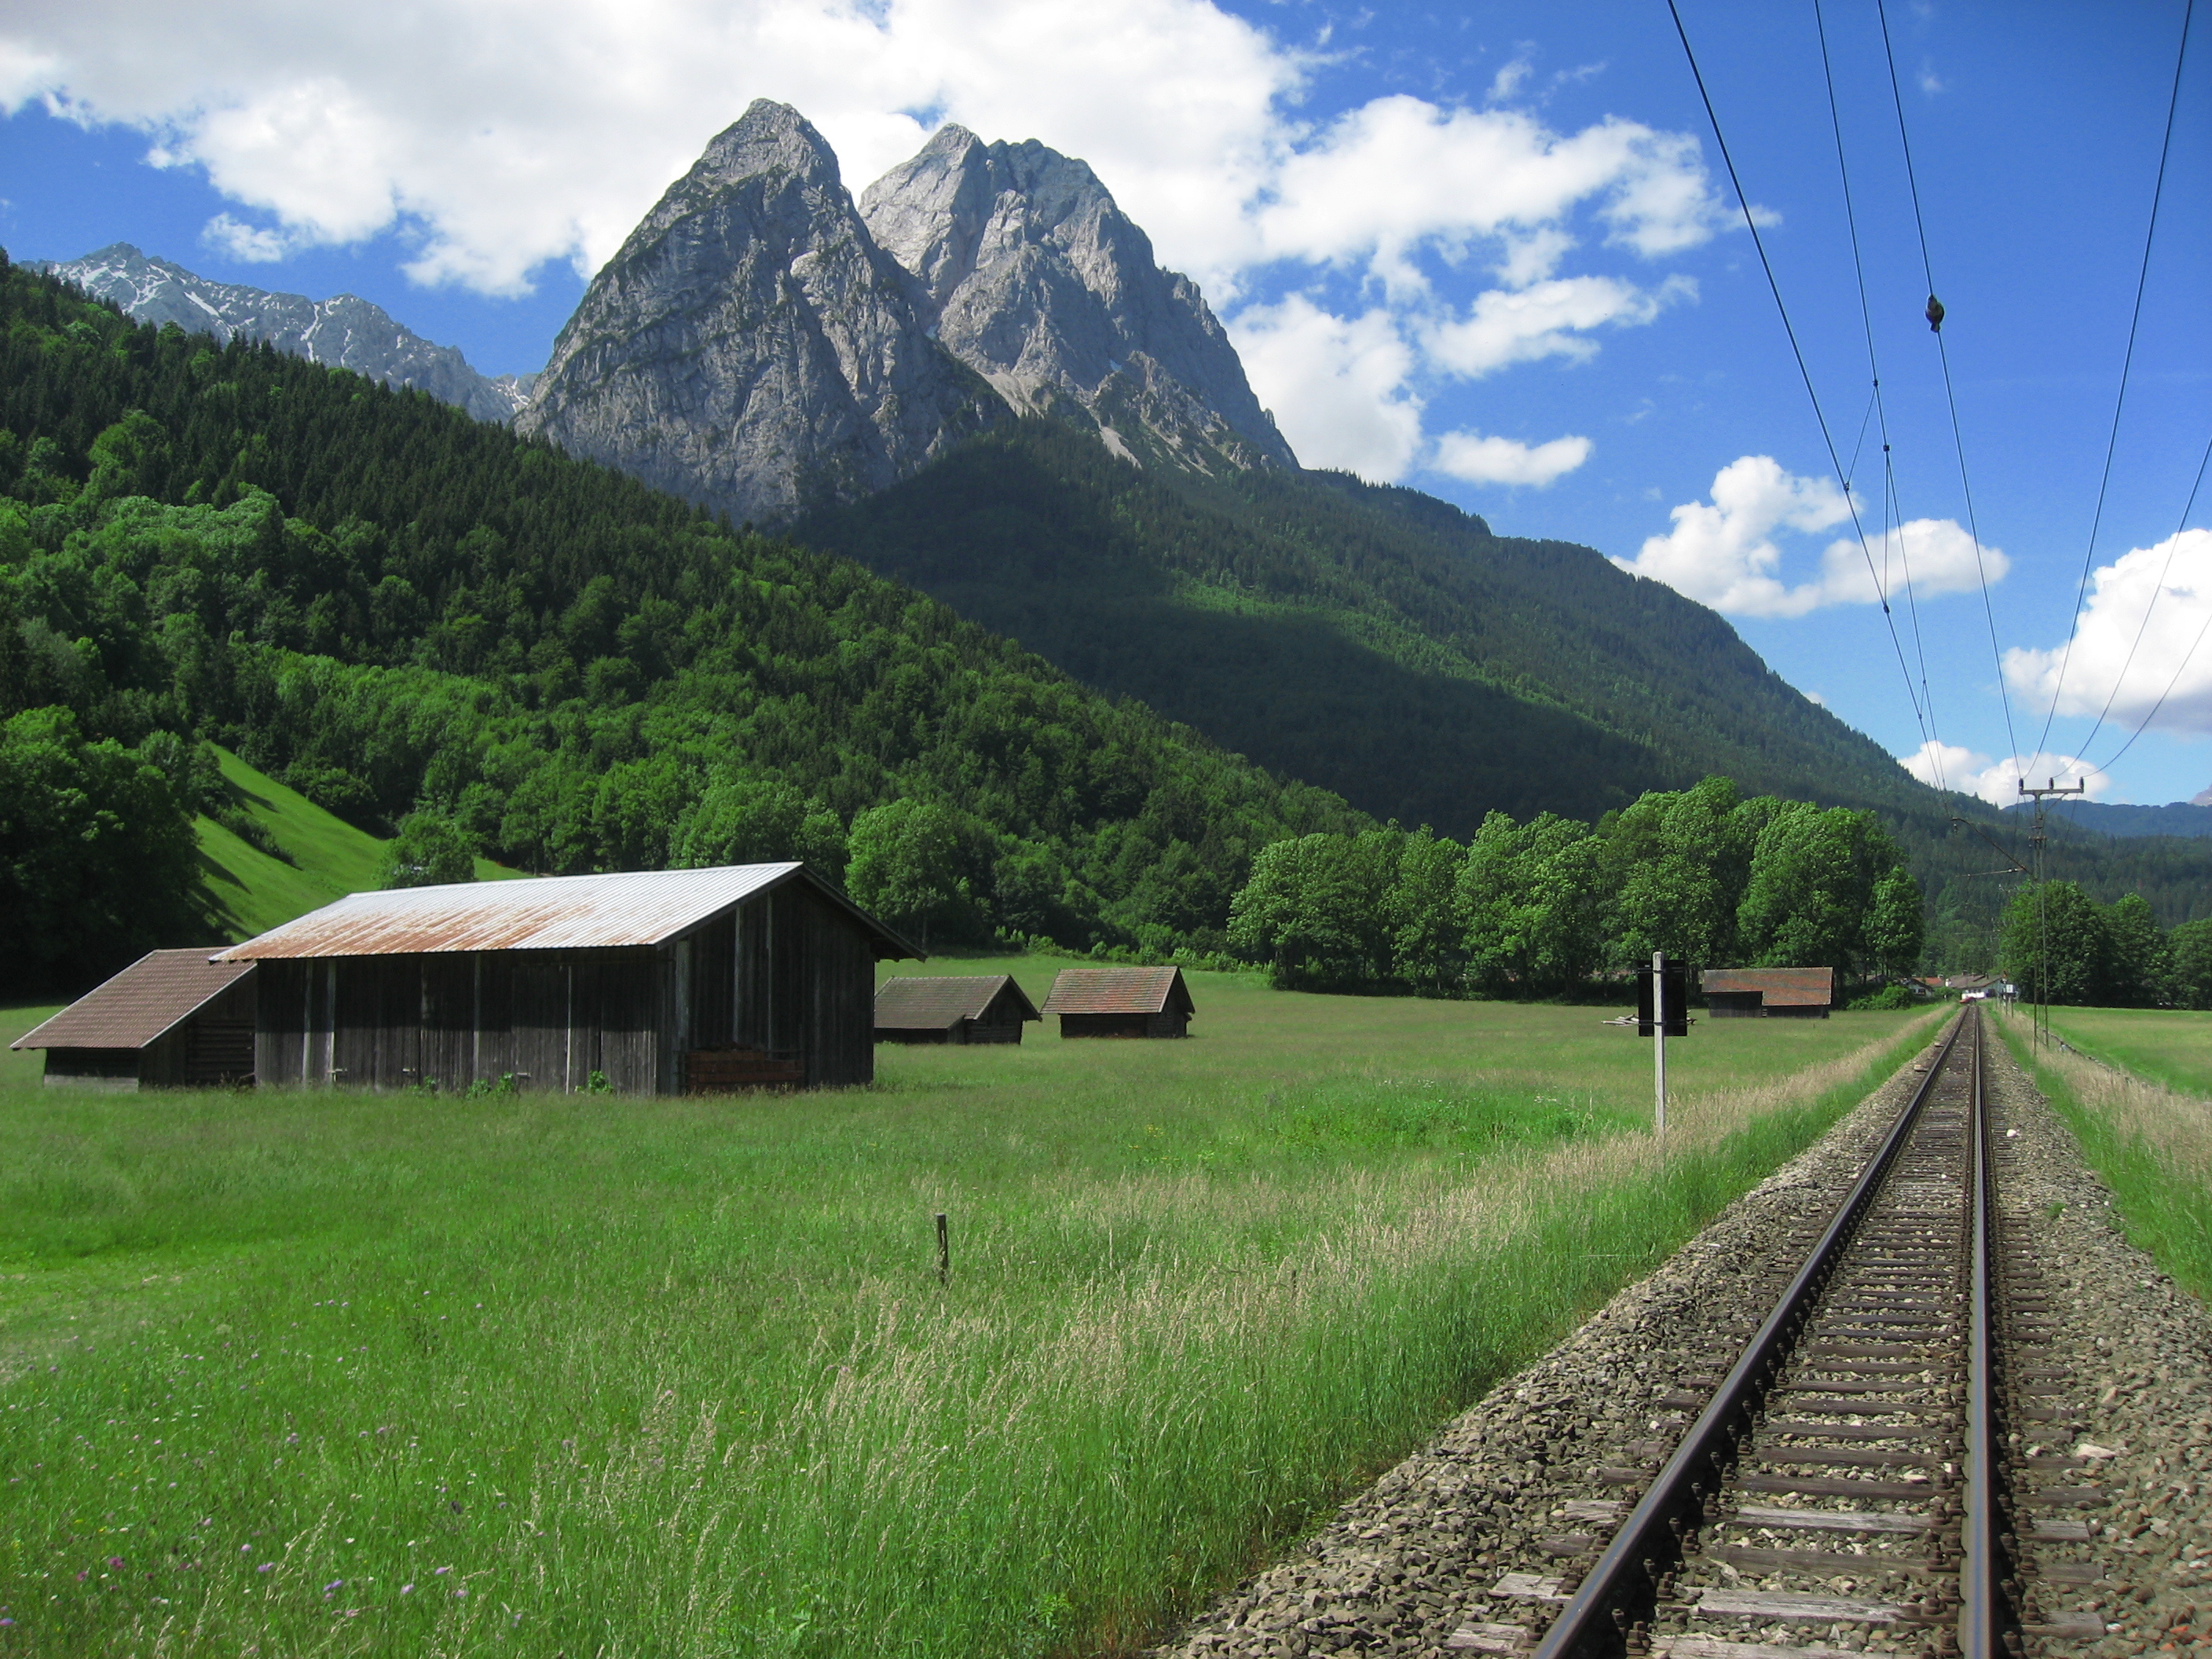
[[2146, 1127], [250, 892], [676, 1376]]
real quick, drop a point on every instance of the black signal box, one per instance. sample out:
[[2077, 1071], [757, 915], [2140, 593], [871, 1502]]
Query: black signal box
[[1678, 999]]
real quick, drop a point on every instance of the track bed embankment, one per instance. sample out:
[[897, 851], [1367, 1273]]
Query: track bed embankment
[[1474, 1543]]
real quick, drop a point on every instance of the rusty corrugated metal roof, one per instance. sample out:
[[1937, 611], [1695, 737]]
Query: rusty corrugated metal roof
[[144, 1002], [540, 913], [1116, 991], [937, 1002]]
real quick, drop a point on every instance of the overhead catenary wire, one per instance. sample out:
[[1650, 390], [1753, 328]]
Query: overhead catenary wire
[[1950, 397], [1819, 417], [2173, 547], [2143, 724], [1891, 515]]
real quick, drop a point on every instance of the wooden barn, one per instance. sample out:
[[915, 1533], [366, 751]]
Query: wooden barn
[[1752, 993], [1121, 1002], [953, 1008], [658, 981], [171, 1019]]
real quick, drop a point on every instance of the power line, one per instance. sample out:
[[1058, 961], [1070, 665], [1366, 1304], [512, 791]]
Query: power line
[[2119, 403], [1774, 287], [1950, 397], [1876, 406], [2143, 724], [2151, 604]]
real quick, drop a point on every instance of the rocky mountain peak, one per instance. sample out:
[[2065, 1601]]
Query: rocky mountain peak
[[1043, 285], [751, 347], [762, 345]]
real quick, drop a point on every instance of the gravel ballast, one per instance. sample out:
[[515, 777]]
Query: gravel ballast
[[1455, 1549]]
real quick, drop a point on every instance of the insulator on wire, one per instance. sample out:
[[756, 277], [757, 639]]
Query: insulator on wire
[[1935, 314]]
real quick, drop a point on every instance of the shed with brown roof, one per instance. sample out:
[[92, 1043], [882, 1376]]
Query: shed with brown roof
[[654, 981], [1750, 993], [171, 1019], [953, 1008], [1121, 1002]]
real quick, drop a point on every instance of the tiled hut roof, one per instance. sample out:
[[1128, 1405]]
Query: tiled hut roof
[[541, 913], [1118, 991], [937, 1002], [139, 1005]]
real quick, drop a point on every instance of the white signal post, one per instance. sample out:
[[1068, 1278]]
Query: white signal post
[[1659, 1041]]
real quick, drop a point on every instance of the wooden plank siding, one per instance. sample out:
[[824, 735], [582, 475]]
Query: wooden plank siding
[[546, 1018], [784, 972]]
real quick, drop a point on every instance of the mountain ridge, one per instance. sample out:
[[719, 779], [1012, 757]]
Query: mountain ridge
[[345, 331]]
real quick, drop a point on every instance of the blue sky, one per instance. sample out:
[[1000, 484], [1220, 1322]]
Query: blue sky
[[1487, 250]]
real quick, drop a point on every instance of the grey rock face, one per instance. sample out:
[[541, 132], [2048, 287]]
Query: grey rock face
[[1039, 283], [346, 333], [751, 347]]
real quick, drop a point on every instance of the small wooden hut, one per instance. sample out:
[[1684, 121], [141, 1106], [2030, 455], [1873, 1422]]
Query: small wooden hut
[[1121, 1002], [662, 982], [953, 1008], [171, 1019], [1752, 993]]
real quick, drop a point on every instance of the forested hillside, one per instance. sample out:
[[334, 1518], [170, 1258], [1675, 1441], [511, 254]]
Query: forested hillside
[[388, 606], [1385, 645], [428, 624]]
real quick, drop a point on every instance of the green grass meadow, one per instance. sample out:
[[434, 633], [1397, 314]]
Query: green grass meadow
[[302, 1372], [2139, 1098]]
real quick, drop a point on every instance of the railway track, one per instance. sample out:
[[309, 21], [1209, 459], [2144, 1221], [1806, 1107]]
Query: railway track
[[1856, 1469]]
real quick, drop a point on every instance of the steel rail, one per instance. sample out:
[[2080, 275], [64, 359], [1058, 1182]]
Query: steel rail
[[1984, 1610], [1624, 1586]]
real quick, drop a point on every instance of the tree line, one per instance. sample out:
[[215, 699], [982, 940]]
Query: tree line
[[1545, 908], [2060, 944]]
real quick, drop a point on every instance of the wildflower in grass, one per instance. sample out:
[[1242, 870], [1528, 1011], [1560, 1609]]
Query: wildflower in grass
[[335, 1583], [114, 1562], [407, 1589], [264, 1566]]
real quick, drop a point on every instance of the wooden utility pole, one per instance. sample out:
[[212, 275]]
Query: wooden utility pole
[[2040, 1016]]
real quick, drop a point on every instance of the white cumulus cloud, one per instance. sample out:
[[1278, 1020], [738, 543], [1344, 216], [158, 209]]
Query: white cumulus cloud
[[1337, 384], [1478, 459], [1547, 320], [1401, 171], [251, 244], [2143, 629], [1724, 552], [1969, 772]]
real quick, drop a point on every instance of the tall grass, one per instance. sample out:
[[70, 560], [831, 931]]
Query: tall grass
[[668, 1377], [2151, 1142]]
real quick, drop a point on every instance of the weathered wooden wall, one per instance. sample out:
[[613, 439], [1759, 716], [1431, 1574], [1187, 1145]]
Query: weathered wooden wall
[[785, 973], [547, 1019]]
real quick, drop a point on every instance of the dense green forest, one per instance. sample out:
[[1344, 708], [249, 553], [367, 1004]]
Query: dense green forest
[[398, 611], [2060, 944], [1548, 907], [1385, 645]]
